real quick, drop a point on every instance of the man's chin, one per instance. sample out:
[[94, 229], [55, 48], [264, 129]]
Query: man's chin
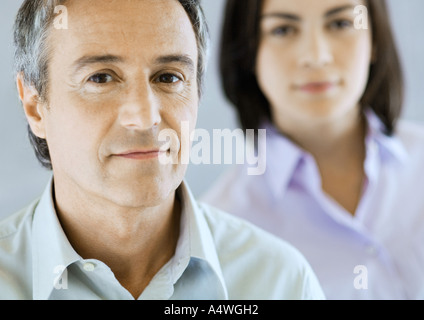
[[142, 193]]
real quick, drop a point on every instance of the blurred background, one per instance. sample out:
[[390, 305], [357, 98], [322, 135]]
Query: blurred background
[[22, 179]]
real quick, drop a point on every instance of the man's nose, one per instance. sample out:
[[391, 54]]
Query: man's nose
[[140, 110], [315, 51]]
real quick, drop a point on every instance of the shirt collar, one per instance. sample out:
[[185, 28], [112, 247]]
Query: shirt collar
[[284, 156], [199, 241], [53, 253], [390, 146], [282, 159]]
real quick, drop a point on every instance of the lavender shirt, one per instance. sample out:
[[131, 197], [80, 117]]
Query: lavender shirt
[[376, 254]]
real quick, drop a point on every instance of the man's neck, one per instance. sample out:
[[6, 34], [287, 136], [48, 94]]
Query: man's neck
[[135, 243]]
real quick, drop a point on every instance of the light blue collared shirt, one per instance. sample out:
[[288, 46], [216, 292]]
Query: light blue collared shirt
[[217, 257], [376, 254]]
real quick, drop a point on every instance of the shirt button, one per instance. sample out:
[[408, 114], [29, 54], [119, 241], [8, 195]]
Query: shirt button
[[88, 266], [371, 250]]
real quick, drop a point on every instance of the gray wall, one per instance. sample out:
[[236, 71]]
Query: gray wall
[[21, 177]]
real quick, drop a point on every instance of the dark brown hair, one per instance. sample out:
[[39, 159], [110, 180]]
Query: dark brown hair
[[238, 52]]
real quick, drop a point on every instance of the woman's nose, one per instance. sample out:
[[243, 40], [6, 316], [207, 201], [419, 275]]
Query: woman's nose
[[316, 51]]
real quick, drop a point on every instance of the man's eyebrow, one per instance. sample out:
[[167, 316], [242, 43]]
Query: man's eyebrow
[[87, 60], [179, 58], [166, 59], [293, 17]]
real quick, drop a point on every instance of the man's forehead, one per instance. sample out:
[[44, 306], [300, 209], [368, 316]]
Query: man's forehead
[[88, 60], [134, 13], [127, 25], [90, 6]]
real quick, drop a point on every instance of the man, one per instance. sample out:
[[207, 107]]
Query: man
[[98, 86]]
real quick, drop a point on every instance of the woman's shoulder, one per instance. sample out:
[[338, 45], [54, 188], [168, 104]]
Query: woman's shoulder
[[411, 133], [235, 191], [228, 182]]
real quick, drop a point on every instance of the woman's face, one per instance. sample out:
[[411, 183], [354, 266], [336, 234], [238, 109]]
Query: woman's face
[[313, 63]]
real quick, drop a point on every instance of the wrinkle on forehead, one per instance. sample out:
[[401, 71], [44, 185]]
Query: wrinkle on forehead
[[128, 25]]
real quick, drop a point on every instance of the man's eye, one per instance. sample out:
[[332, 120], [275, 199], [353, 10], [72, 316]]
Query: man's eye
[[168, 78], [101, 78]]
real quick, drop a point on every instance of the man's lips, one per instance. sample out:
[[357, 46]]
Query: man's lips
[[140, 154]]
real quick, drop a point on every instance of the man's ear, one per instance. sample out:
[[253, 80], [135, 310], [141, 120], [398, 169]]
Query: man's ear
[[34, 110]]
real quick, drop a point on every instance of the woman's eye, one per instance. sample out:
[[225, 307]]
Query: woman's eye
[[283, 31], [168, 78], [101, 78], [340, 24]]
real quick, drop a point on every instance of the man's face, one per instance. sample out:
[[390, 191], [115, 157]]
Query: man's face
[[122, 72]]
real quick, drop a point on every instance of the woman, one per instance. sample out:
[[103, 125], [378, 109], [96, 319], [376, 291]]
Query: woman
[[343, 181]]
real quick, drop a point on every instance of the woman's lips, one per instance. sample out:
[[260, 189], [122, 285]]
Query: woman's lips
[[317, 87]]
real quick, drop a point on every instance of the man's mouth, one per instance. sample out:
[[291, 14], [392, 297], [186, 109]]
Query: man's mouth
[[140, 154]]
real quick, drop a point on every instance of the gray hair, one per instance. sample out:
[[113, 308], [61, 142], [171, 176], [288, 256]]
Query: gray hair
[[32, 52]]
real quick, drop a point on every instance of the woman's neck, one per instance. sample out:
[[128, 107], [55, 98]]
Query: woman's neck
[[333, 138], [338, 147]]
